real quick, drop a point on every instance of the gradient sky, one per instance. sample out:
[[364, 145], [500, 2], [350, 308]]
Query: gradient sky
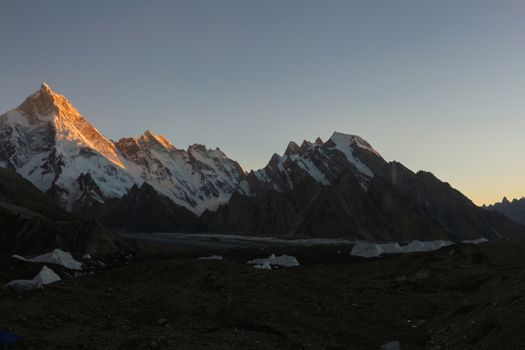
[[438, 85]]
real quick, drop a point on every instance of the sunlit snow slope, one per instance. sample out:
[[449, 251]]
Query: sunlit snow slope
[[47, 141]]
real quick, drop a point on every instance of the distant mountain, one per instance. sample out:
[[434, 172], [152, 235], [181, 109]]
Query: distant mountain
[[343, 209], [323, 161], [30, 223], [344, 188], [48, 142], [341, 187], [514, 209]]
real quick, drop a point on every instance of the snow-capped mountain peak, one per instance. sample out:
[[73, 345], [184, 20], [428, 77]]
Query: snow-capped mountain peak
[[345, 141], [199, 178], [148, 137], [45, 87], [49, 108], [48, 142], [292, 149], [41, 103], [323, 161]]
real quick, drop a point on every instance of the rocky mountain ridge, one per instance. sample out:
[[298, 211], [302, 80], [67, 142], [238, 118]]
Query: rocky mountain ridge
[[338, 188], [47, 141], [514, 209]]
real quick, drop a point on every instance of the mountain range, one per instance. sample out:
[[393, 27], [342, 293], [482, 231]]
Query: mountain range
[[341, 187], [47, 141], [514, 209]]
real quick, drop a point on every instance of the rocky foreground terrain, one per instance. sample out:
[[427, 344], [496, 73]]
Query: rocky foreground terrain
[[459, 297]]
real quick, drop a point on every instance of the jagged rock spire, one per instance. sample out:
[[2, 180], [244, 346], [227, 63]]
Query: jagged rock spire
[[292, 148]]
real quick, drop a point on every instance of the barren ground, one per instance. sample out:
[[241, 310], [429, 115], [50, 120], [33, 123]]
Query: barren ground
[[460, 297]]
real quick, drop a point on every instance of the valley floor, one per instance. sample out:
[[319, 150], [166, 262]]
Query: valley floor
[[460, 297]]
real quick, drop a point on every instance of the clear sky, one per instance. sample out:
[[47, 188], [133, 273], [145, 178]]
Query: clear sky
[[438, 85]]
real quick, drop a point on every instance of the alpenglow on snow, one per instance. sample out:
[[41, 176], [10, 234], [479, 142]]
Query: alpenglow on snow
[[48, 142]]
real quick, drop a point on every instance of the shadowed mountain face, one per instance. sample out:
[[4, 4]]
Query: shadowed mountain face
[[341, 187], [344, 209], [143, 209], [323, 161], [458, 216], [382, 212], [30, 223], [361, 196], [514, 209]]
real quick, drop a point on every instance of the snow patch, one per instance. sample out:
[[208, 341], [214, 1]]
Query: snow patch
[[45, 276], [283, 260], [314, 172], [346, 139], [369, 250], [212, 257], [265, 266], [57, 257], [344, 144]]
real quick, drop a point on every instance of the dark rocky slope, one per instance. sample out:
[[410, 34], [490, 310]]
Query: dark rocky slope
[[396, 205], [144, 209], [428, 210], [463, 297], [30, 223], [355, 194], [457, 214]]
